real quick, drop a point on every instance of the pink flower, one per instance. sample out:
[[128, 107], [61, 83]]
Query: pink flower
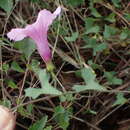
[[38, 32]]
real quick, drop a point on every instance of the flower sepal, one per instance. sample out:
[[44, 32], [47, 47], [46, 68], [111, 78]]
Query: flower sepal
[[50, 66]]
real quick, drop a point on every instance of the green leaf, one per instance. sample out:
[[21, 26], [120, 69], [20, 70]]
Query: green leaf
[[100, 47], [95, 13], [34, 1], [97, 47], [120, 99], [92, 85], [94, 29], [62, 31], [30, 108], [44, 79], [33, 92], [5, 67], [58, 110], [88, 74], [90, 26], [34, 66], [48, 128], [124, 34], [117, 3], [75, 2], [93, 65], [90, 79], [89, 111], [111, 18], [73, 37], [109, 31], [62, 116], [40, 124], [7, 5], [23, 111], [97, 1], [6, 103], [46, 87], [127, 16], [15, 66], [89, 22], [27, 46], [12, 84], [92, 2], [112, 79], [66, 97]]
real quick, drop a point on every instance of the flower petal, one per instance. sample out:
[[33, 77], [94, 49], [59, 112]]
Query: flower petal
[[39, 35], [57, 11], [38, 32], [16, 34], [44, 51], [45, 18]]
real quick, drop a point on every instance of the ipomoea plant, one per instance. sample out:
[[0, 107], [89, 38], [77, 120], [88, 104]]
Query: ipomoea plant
[[38, 32]]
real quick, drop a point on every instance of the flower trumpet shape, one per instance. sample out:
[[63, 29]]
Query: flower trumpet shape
[[38, 32], [7, 119]]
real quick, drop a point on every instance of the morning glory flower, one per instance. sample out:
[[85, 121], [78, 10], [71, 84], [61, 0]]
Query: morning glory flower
[[38, 32]]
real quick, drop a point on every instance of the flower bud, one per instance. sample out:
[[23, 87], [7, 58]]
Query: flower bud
[[7, 119]]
